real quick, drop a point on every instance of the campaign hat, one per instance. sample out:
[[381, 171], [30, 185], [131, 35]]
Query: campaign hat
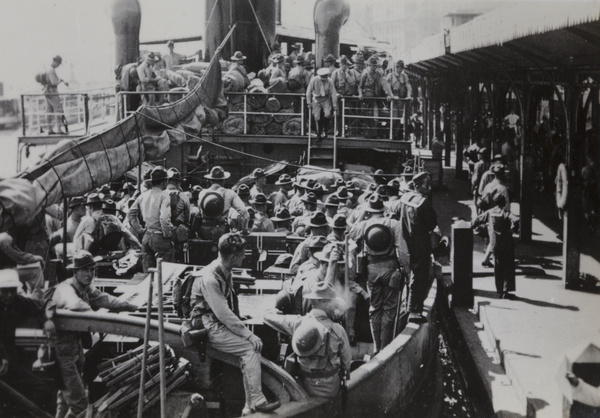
[[329, 58], [375, 204], [159, 173], [284, 179], [420, 176], [373, 61], [83, 259], [297, 45], [281, 215], [174, 174], [308, 337], [93, 198], [76, 201], [333, 200], [309, 184], [318, 219], [339, 221], [344, 60], [243, 190], [260, 199], [217, 173], [277, 58], [238, 56], [310, 197], [316, 241], [343, 193], [258, 173]]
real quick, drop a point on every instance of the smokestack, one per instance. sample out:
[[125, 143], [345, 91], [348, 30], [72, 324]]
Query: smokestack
[[329, 17], [126, 17]]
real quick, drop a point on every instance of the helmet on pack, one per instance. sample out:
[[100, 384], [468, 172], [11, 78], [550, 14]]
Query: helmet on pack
[[212, 205], [308, 337], [378, 238]]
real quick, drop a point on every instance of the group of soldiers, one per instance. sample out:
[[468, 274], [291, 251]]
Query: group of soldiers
[[357, 241], [361, 80]]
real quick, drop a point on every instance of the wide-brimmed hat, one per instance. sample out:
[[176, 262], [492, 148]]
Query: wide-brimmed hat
[[308, 337], [343, 193], [83, 259], [238, 56], [57, 59], [9, 278], [323, 72], [498, 158], [301, 61], [318, 219], [326, 253], [373, 61], [339, 221], [375, 204], [359, 58], [339, 182], [243, 190], [297, 45], [483, 150], [283, 180], [260, 199], [400, 62], [281, 215], [321, 290], [128, 186], [310, 197], [217, 173], [277, 58], [344, 60], [258, 173], [352, 188], [308, 184], [93, 198], [498, 169], [383, 191], [333, 200], [408, 172], [173, 174], [316, 241], [329, 58], [159, 174], [170, 43], [109, 205], [76, 201], [420, 177]]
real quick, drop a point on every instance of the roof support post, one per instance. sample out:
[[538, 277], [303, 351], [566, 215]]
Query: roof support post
[[572, 215], [526, 167]]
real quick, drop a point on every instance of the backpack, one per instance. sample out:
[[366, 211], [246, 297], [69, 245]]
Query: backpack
[[106, 234], [181, 233], [42, 78], [182, 295]]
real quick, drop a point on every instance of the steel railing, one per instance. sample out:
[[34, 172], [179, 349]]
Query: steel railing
[[81, 111]]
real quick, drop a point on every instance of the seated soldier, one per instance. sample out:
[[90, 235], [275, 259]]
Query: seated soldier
[[261, 223], [321, 345], [282, 221], [317, 226]]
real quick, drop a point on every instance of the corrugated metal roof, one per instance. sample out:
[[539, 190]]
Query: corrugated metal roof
[[520, 20], [430, 47]]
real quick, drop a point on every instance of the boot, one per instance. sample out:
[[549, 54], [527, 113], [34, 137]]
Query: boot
[[318, 130]]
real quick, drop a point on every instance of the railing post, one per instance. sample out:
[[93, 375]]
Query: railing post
[[391, 118], [404, 120], [245, 114], [343, 117], [302, 115], [23, 114], [309, 134], [334, 140], [86, 113]]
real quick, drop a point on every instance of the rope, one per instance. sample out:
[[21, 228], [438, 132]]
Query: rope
[[107, 158], [260, 27], [246, 154], [126, 143]]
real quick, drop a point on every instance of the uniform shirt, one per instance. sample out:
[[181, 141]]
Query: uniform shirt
[[262, 223], [172, 59], [295, 205], [254, 190], [496, 188], [480, 168], [418, 220], [182, 211], [277, 74], [230, 200], [72, 226], [369, 81], [52, 81], [301, 254], [302, 76], [212, 294], [358, 230], [144, 71], [486, 178], [72, 296], [154, 208], [84, 234], [399, 84], [322, 90], [339, 355], [346, 81], [279, 198], [500, 223]]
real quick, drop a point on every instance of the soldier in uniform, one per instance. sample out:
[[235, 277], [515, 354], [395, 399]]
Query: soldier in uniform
[[213, 304], [217, 177], [385, 251], [321, 99], [481, 166], [299, 76], [261, 222], [282, 221], [150, 217], [321, 345], [260, 180], [418, 220], [280, 197], [311, 203], [331, 206], [317, 226], [180, 212]]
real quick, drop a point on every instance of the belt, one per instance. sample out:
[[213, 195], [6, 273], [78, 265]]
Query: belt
[[153, 232], [318, 374]]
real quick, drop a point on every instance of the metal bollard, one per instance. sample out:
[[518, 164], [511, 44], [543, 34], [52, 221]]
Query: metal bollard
[[462, 264]]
